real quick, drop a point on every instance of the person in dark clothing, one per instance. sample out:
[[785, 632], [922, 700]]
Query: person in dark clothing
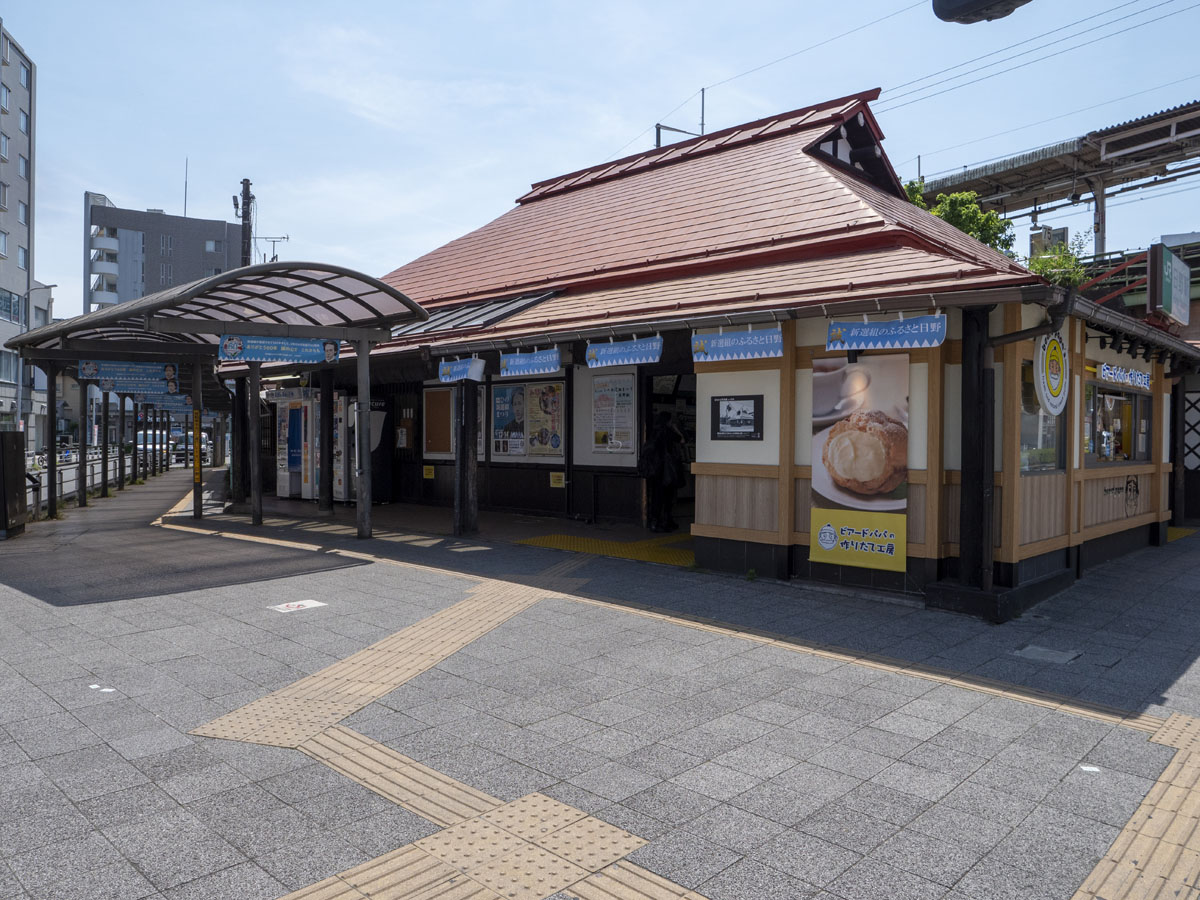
[[664, 467]]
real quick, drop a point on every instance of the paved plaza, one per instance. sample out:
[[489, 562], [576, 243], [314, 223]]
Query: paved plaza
[[480, 720]]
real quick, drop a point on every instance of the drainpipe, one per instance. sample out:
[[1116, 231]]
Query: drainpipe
[[1058, 313]]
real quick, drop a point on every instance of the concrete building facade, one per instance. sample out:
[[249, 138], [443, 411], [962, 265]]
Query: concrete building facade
[[130, 252], [24, 302]]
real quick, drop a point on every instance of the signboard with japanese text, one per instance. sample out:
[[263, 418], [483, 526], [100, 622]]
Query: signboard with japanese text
[[131, 377], [508, 420], [900, 334], [860, 463], [624, 353], [256, 348], [1051, 373], [614, 414], [541, 362], [763, 343], [1170, 288], [544, 415], [451, 370]]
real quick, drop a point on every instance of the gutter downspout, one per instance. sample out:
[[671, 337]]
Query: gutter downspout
[[1058, 313]]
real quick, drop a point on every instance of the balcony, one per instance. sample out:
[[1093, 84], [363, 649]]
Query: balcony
[[109, 244], [100, 267], [104, 296]]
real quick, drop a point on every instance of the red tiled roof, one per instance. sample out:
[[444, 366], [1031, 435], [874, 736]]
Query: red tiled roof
[[865, 275], [698, 224]]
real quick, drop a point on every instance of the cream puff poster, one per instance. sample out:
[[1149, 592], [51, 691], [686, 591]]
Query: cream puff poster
[[860, 462]]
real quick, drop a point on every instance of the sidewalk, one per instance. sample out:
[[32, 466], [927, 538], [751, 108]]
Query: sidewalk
[[474, 719]]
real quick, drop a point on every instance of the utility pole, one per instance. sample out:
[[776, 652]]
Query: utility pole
[[247, 199]]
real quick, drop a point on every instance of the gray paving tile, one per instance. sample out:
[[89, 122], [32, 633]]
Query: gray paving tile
[[245, 881], [152, 843], [848, 827], [670, 803], [734, 828], [862, 882], [311, 860], [751, 880], [806, 857], [688, 860], [939, 861]]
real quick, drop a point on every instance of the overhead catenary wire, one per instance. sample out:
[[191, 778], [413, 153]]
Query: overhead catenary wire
[[1055, 118], [766, 65], [1087, 43], [1036, 37]]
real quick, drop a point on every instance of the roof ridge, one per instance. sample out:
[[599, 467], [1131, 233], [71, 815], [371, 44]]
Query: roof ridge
[[713, 142]]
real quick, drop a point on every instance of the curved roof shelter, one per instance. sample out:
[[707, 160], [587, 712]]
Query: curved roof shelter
[[279, 299]]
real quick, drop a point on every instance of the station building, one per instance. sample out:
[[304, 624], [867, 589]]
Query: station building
[[869, 396]]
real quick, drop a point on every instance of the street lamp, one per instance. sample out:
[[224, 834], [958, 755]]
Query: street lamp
[[22, 327]]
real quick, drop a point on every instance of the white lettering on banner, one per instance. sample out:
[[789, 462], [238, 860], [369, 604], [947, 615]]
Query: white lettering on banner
[[1120, 375]]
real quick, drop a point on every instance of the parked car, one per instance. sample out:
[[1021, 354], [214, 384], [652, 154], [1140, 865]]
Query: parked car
[[182, 448]]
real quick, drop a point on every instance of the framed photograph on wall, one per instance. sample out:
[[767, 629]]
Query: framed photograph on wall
[[737, 418]]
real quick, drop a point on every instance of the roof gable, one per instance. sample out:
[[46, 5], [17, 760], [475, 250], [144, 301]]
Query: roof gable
[[772, 189]]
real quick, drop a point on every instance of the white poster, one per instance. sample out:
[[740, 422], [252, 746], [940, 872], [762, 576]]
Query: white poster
[[614, 414]]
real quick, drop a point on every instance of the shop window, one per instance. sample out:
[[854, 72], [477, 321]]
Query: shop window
[[1117, 426], [1043, 441]]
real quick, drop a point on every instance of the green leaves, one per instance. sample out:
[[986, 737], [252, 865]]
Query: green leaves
[[962, 210]]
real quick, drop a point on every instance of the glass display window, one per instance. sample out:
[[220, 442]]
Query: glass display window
[[1043, 437], [1117, 426]]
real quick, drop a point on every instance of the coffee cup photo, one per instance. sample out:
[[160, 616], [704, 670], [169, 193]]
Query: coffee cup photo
[[838, 389]]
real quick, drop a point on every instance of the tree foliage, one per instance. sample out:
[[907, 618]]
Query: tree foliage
[[1060, 264], [962, 210]]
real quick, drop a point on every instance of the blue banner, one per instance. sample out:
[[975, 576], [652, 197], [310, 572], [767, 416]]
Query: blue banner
[[762, 344], [254, 348], [452, 370], [543, 362], [130, 377], [900, 334], [624, 353]]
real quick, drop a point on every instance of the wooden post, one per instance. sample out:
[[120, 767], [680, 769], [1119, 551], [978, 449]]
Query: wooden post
[[466, 491]]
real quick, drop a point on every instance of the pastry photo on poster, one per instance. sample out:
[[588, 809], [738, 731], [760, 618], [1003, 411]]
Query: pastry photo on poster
[[544, 417], [508, 420], [860, 461]]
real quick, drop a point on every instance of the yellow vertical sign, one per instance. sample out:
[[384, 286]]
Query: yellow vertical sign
[[851, 537]]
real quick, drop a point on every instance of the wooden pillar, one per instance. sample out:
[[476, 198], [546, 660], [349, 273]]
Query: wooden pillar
[[466, 463], [154, 442], [254, 442], [363, 352], [1178, 448], [325, 444], [787, 437], [85, 422], [976, 500]]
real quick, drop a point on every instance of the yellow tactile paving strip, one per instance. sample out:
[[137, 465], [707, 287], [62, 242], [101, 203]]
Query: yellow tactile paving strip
[[524, 850], [1157, 855], [302, 710], [665, 549], [404, 781], [537, 846], [1175, 534]]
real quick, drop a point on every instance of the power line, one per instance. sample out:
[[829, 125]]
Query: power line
[[830, 40], [1025, 41], [1039, 59]]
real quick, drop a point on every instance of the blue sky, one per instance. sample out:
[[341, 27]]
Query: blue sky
[[374, 132]]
